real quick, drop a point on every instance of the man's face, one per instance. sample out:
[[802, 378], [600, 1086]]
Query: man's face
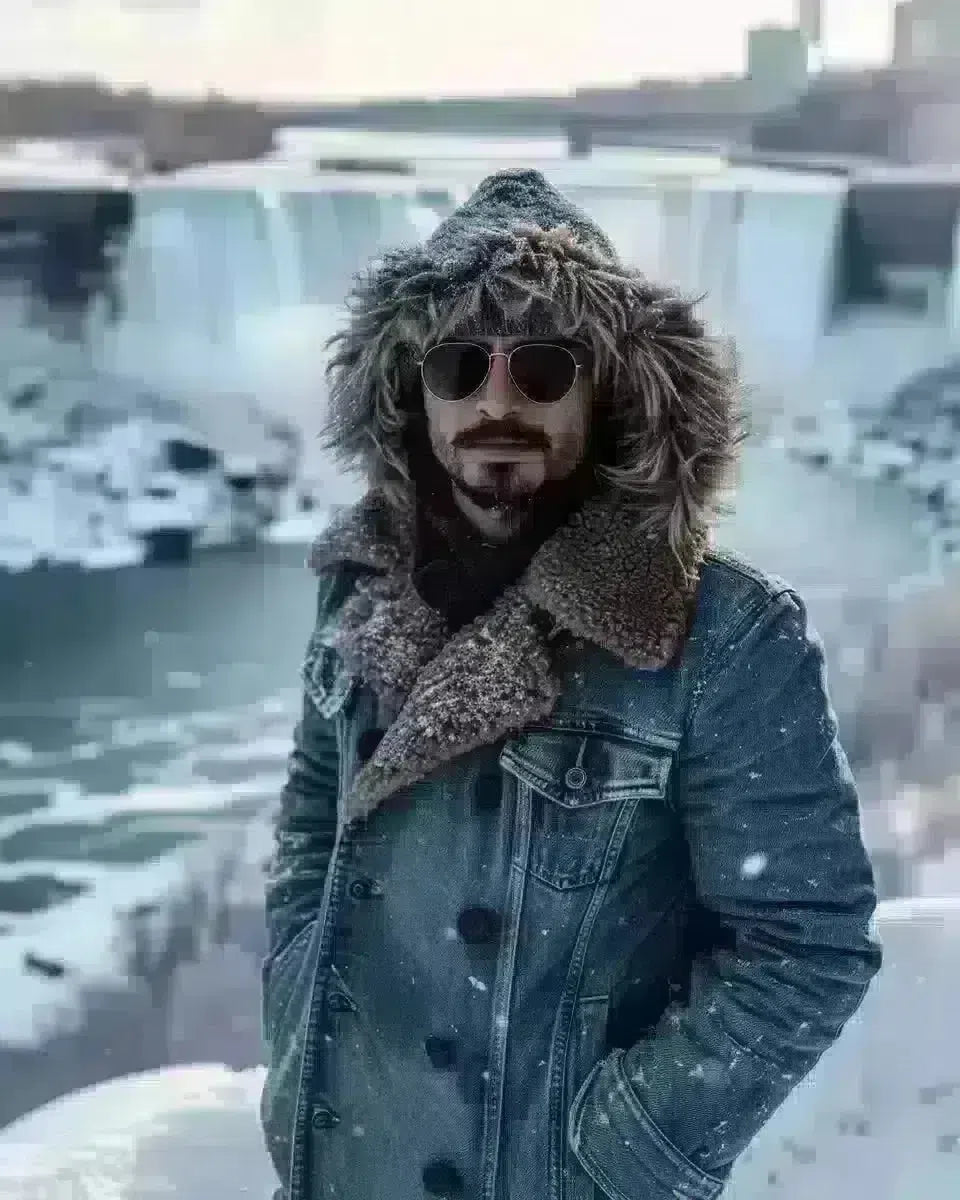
[[500, 448]]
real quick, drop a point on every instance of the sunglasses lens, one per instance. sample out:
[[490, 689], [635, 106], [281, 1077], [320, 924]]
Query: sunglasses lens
[[544, 373], [455, 370]]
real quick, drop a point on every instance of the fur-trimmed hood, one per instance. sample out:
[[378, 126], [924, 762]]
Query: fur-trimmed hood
[[621, 573], [518, 257]]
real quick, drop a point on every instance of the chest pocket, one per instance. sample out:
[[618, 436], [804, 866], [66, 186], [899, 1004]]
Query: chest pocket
[[348, 705], [587, 791], [335, 694]]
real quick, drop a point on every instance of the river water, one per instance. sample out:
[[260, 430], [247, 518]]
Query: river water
[[143, 709], [87, 659], [145, 720]]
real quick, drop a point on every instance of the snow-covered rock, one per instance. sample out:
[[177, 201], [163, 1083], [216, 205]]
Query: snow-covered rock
[[185, 1132]]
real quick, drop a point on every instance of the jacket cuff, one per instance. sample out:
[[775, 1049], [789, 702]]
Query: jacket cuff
[[621, 1149]]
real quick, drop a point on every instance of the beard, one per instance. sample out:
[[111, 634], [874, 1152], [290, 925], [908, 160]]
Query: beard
[[511, 488], [523, 508], [504, 491]]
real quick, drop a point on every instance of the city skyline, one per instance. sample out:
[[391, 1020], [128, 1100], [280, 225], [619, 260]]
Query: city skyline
[[323, 49]]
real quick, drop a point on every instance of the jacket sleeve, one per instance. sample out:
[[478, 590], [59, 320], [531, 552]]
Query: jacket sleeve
[[306, 823], [772, 820]]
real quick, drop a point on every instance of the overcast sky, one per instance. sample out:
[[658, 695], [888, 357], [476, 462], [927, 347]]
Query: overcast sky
[[342, 48]]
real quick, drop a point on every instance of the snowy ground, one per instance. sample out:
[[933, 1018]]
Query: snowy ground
[[879, 1119], [185, 1132]]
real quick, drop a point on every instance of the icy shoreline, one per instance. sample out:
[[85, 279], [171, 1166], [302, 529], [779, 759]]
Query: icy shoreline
[[189, 989], [126, 842], [133, 922]]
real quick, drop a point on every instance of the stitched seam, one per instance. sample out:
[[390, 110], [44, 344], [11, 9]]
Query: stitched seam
[[740, 622], [680, 1160]]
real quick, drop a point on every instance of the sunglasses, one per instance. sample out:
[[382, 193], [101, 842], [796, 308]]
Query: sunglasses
[[543, 372]]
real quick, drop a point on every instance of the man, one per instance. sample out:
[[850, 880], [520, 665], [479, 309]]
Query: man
[[569, 889]]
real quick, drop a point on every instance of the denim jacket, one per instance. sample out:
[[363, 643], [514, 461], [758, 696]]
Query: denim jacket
[[585, 942]]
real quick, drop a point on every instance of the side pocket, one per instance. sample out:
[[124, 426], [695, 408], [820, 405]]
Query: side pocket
[[588, 1036], [287, 985]]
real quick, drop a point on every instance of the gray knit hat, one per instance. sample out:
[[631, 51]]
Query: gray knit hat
[[519, 258]]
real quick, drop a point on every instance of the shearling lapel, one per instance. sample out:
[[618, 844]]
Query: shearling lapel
[[491, 677], [604, 579], [386, 635], [598, 577]]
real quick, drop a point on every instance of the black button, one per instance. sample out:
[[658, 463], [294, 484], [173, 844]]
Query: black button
[[339, 1002], [442, 1052], [442, 1179], [367, 742], [364, 889], [324, 1117], [478, 924], [488, 792]]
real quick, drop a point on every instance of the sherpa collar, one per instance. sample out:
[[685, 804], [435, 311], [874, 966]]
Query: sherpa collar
[[599, 578]]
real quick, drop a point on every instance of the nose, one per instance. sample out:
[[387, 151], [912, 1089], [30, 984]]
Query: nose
[[499, 396]]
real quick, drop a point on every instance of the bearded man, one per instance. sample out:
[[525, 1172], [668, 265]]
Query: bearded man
[[569, 889]]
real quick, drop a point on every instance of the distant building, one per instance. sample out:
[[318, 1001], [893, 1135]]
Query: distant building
[[926, 32], [929, 133], [778, 61], [903, 34], [810, 20]]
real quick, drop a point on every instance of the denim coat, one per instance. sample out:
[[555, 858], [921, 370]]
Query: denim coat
[[561, 907]]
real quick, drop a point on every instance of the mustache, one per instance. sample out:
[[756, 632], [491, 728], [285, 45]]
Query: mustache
[[491, 431]]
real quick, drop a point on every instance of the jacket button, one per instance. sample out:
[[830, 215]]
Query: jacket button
[[324, 1117], [442, 1179], [367, 742], [575, 779], [364, 889], [478, 924], [488, 792], [442, 1052]]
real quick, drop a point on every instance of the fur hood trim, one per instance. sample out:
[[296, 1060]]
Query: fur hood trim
[[519, 258]]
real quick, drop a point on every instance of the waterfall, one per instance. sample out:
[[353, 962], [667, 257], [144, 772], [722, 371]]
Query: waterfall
[[231, 291]]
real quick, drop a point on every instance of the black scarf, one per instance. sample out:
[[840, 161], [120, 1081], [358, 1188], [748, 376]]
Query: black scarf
[[459, 574]]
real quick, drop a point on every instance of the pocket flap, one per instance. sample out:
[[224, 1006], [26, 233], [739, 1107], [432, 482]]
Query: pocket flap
[[578, 770], [325, 678]]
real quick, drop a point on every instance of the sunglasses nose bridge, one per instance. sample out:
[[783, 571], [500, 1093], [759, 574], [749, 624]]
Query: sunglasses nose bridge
[[498, 372], [499, 393]]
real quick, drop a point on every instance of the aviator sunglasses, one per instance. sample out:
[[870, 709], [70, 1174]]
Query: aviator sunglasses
[[543, 372]]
